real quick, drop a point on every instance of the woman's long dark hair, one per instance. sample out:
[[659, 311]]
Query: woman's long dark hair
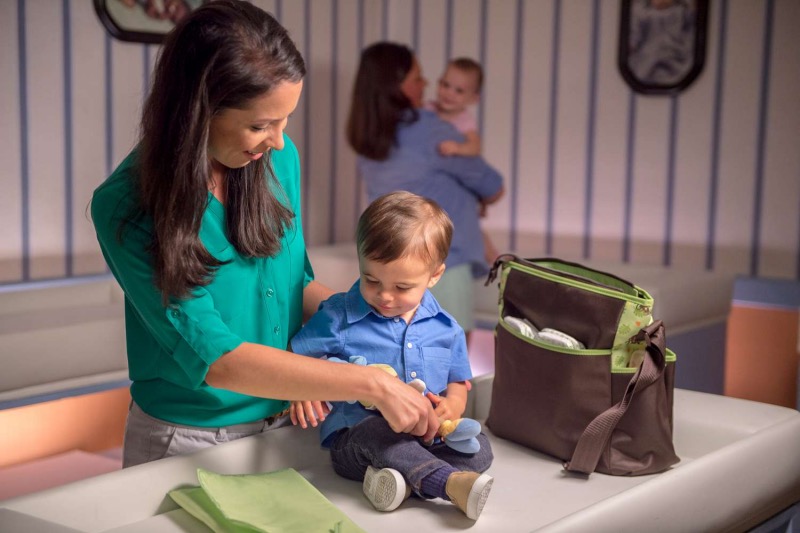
[[221, 56], [378, 104]]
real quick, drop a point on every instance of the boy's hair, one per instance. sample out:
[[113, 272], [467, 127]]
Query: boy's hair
[[470, 66], [401, 224]]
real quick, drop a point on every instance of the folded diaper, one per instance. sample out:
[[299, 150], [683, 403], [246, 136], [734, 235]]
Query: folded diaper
[[548, 335], [559, 338], [522, 325]]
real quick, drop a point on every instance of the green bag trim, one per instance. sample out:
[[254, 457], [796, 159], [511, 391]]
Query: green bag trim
[[669, 358], [613, 287]]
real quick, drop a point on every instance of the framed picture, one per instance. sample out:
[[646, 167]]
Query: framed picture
[[142, 21], [662, 44]]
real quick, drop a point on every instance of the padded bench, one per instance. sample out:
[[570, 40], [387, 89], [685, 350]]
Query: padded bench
[[739, 467], [61, 338]]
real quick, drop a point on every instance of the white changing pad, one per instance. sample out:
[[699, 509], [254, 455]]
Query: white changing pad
[[740, 465]]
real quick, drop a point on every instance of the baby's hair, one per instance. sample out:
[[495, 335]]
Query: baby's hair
[[470, 66], [402, 224]]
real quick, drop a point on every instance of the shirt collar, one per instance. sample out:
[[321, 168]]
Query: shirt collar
[[357, 308]]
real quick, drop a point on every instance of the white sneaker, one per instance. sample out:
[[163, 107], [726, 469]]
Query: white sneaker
[[385, 488]]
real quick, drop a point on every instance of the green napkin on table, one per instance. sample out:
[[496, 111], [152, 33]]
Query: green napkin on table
[[276, 502]]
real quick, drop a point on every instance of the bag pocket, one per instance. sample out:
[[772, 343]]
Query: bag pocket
[[590, 317], [544, 396]]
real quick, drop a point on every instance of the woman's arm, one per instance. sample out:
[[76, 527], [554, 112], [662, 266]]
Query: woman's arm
[[267, 372], [314, 294]]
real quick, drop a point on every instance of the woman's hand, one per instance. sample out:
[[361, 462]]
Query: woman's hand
[[306, 412], [406, 410]]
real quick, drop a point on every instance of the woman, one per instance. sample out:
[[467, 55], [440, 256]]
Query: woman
[[397, 142], [200, 226]]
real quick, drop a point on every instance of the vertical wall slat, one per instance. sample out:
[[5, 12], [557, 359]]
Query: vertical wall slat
[[573, 83], [89, 130], [761, 136], [717, 134], [739, 134], [68, 141], [552, 132], [611, 126], [24, 153], [780, 227], [670, 185], [591, 114], [629, 179]]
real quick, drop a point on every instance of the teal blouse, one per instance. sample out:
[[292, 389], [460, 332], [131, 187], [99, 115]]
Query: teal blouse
[[249, 300]]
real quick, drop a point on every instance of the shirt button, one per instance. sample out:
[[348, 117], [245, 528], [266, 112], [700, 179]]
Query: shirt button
[[397, 319], [270, 292], [176, 313], [410, 345], [277, 329], [413, 374]]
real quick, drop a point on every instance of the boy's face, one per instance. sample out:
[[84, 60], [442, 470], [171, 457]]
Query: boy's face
[[457, 90], [395, 289]]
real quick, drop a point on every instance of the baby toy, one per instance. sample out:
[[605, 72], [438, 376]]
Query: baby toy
[[459, 435]]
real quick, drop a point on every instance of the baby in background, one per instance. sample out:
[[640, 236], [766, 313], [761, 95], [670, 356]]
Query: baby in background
[[459, 88]]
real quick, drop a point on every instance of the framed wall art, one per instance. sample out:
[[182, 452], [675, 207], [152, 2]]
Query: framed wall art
[[142, 21], [662, 44]]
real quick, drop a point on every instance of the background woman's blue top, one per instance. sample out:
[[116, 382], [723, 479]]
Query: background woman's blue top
[[455, 183], [432, 347]]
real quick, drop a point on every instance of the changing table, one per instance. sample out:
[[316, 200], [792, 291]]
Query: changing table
[[740, 465]]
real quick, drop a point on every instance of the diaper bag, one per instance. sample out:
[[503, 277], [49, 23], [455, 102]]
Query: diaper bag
[[582, 371]]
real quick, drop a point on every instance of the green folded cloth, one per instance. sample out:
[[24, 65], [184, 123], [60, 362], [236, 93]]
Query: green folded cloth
[[276, 502]]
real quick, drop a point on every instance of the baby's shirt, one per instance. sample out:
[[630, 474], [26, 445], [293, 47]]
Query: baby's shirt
[[432, 347], [464, 122]]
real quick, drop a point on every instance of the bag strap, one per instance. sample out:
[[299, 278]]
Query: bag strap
[[501, 259], [594, 438]]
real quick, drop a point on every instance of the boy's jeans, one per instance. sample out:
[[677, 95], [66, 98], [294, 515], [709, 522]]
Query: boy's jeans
[[372, 442]]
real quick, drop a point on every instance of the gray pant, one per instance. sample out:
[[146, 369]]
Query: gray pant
[[148, 439]]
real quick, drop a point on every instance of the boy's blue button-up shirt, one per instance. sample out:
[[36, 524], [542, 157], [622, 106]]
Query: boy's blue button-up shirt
[[432, 347]]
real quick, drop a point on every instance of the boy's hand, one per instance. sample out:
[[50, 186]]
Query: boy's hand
[[307, 412], [445, 408], [454, 403]]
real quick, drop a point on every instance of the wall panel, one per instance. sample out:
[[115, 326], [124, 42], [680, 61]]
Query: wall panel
[[780, 231], [88, 132], [707, 178], [569, 172], [45, 85]]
